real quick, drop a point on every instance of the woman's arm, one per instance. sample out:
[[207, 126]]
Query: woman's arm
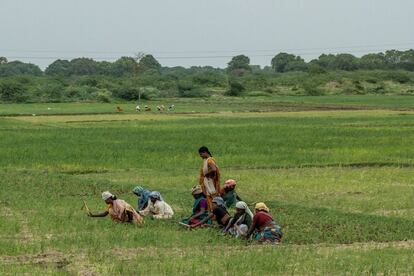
[[145, 212], [202, 221], [202, 211], [229, 225], [212, 169], [103, 214], [252, 227]]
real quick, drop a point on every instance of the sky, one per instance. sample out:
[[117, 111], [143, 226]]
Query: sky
[[201, 32]]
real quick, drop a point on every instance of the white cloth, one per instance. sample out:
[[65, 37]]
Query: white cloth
[[208, 182], [159, 209], [106, 195], [238, 230], [243, 205]]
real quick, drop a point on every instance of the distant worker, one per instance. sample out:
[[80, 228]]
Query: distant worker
[[147, 108], [119, 109], [137, 108], [118, 209], [209, 176], [157, 208], [171, 108]]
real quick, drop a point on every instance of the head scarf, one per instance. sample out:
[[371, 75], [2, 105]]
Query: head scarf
[[230, 183], [155, 195], [196, 190], [219, 201], [261, 207], [243, 205], [138, 190], [106, 195]]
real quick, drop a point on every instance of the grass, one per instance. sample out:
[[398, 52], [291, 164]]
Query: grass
[[221, 104], [339, 183]]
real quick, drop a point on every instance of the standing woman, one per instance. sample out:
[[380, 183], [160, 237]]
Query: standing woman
[[209, 176]]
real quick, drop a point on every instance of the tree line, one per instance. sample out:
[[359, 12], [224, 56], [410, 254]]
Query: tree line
[[130, 78], [238, 65]]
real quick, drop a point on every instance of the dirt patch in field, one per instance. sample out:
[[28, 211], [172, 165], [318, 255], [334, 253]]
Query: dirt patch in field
[[76, 264], [46, 258]]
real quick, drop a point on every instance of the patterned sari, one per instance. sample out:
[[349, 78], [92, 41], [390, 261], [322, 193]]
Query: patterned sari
[[270, 233]]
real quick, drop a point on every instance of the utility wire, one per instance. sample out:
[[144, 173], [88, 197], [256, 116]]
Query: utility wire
[[213, 51], [184, 57]]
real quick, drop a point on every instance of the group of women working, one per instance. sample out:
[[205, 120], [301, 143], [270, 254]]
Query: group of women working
[[211, 204]]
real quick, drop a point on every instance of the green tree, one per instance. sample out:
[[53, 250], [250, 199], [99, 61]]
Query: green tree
[[346, 62], [372, 61], [407, 60], [14, 68], [239, 65], [59, 68], [148, 62], [236, 88], [83, 66], [284, 62], [12, 91], [125, 66], [393, 58], [326, 61]]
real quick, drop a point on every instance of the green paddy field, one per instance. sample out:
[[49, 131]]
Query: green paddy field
[[337, 173]]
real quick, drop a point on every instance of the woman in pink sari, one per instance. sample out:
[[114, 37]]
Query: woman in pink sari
[[119, 210]]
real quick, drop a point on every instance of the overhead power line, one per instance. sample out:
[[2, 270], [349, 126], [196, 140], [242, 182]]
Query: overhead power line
[[131, 52], [102, 58]]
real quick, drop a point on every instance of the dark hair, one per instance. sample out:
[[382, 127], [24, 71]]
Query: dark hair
[[113, 197], [204, 149]]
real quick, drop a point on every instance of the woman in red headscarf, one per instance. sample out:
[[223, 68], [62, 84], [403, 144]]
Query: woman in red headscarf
[[228, 193]]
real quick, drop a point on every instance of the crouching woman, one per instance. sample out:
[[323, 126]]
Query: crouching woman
[[157, 208], [118, 209], [241, 222], [199, 209], [264, 227], [219, 212]]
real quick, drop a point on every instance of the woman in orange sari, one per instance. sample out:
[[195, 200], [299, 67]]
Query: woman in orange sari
[[209, 176]]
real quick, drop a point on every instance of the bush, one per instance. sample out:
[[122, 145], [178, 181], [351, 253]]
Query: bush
[[187, 89], [311, 88], [127, 92], [148, 92], [12, 91], [235, 88], [398, 76], [103, 96]]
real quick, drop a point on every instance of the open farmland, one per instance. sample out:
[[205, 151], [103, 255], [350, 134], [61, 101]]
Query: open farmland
[[337, 177]]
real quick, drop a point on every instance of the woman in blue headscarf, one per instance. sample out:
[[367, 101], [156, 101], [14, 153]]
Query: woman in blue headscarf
[[157, 208], [143, 197]]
